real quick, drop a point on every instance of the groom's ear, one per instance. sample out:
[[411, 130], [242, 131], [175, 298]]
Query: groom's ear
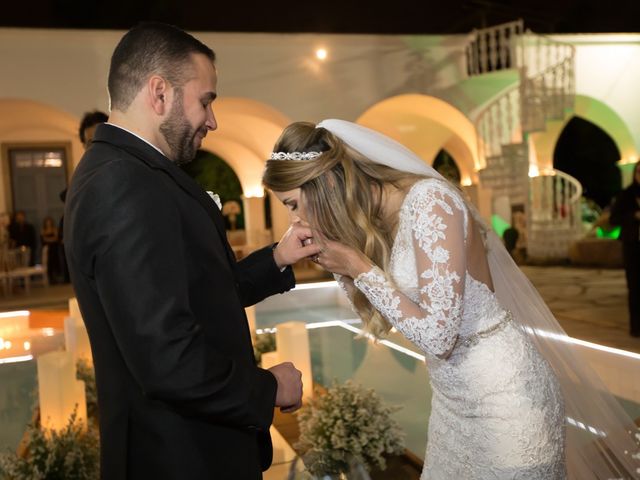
[[158, 94]]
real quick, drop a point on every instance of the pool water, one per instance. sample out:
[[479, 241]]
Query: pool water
[[18, 383], [337, 353]]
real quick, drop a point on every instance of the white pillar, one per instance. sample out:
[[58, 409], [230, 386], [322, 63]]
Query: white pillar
[[251, 319], [292, 341], [75, 333], [279, 217], [76, 339], [269, 359], [626, 170], [254, 223], [74, 308], [59, 390], [482, 199]]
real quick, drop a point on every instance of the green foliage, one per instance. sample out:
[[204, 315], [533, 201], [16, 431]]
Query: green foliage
[[346, 424], [446, 166], [70, 454], [85, 372], [214, 174], [263, 343]]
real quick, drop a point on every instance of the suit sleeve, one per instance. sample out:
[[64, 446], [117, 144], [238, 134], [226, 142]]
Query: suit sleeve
[[141, 278], [623, 209], [258, 277]]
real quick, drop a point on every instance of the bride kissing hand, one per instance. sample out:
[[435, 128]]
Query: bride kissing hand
[[295, 245], [336, 257]]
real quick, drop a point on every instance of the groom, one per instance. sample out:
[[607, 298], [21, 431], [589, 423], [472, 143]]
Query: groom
[[160, 291]]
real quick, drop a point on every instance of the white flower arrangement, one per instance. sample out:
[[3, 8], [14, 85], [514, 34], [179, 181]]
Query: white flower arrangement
[[348, 424]]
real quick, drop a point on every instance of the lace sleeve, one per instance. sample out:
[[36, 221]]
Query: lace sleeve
[[437, 227]]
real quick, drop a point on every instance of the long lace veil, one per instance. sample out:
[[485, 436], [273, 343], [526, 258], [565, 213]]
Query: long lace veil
[[601, 437]]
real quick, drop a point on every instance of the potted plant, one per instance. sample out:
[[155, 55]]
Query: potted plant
[[347, 425]]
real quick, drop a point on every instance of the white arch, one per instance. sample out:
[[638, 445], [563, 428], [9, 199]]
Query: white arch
[[427, 124], [247, 131], [596, 112]]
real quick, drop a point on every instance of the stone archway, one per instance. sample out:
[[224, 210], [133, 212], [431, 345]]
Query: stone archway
[[588, 153], [598, 113]]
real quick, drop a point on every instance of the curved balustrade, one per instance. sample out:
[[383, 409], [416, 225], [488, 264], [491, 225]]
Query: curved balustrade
[[546, 91], [493, 48], [555, 219], [498, 124]]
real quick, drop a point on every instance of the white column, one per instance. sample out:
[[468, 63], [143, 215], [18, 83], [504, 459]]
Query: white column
[[254, 223], [74, 308], [75, 334], [76, 339], [251, 319], [482, 199], [269, 359], [279, 217], [59, 390], [292, 340]]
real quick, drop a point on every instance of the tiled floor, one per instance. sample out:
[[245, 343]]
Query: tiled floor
[[590, 304]]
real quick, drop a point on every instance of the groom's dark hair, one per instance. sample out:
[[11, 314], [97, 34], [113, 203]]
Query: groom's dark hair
[[147, 49]]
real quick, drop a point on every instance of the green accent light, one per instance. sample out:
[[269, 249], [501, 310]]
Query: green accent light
[[613, 233], [499, 224]]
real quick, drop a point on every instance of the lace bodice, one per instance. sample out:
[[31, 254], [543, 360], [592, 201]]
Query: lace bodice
[[430, 290], [496, 408]]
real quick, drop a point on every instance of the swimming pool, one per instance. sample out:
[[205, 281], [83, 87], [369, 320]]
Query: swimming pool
[[394, 368]]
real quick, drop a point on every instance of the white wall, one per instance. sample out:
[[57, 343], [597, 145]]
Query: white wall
[[65, 71], [68, 68], [608, 69]]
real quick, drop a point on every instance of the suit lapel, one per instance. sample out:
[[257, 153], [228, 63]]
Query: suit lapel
[[154, 159]]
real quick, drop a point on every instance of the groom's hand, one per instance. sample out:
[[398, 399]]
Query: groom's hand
[[289, 394], [295, 245]]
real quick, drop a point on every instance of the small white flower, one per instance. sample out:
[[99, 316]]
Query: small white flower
[[216, 198], [440, 255]]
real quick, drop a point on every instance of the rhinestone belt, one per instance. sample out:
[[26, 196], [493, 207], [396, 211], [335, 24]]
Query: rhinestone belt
[[472, 340]]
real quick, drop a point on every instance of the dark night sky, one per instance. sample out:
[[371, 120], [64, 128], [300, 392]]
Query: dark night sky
[[329, 16]]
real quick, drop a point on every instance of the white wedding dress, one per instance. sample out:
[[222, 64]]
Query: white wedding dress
[[497, 409]]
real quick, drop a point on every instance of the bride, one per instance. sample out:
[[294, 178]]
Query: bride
[[413, 254]]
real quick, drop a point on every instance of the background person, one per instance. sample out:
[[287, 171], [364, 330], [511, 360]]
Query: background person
[[625, 212]]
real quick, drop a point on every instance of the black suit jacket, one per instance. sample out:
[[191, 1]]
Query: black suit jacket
[[162, 297], [623, 213]]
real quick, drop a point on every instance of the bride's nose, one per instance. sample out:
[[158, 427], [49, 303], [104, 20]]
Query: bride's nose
[[299, 221]]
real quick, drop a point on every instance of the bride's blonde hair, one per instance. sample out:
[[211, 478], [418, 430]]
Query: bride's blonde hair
[[342, 194]]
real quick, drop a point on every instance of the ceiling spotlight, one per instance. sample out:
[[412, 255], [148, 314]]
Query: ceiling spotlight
[[321, 54]]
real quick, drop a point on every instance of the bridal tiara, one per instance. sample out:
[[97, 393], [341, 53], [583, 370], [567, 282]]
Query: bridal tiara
[[294, 155]]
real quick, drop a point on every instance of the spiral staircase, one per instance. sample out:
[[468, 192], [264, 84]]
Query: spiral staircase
[[544, 93]]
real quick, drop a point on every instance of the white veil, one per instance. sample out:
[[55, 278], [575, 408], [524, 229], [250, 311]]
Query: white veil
[[601, 437]]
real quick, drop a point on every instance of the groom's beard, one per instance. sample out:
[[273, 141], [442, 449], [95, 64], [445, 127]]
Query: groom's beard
[[178, 132]]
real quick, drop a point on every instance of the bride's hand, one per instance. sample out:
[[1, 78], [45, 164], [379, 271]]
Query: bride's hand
[[338, 258]]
